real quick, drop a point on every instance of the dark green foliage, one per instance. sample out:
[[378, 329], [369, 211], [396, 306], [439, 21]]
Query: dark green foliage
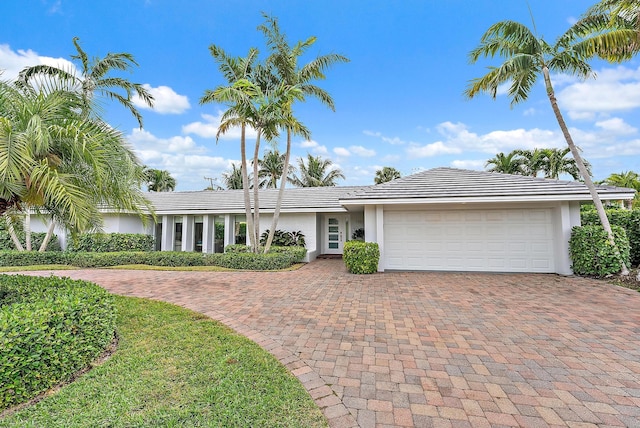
[[358, 234], [49, 329], [592, 253], [112, 242], [283, 238], [36, 240], [236, 248], [629, 220], [361, 257], [278, 258]]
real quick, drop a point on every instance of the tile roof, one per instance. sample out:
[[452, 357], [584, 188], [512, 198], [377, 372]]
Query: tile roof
[[452, 184], [315, 199]]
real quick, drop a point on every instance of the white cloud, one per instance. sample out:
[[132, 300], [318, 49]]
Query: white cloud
[[166, 100], [430, 150], [12, 62], [209, 128], [468, 164], [391, 140], [314, 147], [341, 151], [616, 126], [362, 151]]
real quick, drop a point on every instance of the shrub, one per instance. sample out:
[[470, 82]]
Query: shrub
[[283, 238], [236, 248], [29, 258], [627, 219], [49, 329], [361, 257], [358, 235], [6, 244], [112, 242], [592, 254]]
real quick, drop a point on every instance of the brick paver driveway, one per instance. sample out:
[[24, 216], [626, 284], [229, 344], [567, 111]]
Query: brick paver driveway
[[429, 349]]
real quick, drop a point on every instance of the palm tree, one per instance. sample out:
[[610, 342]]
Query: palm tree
[[621, 39], [552, 163], [237, 72], [511, 163], [94, 80], [297, 85], [627, 179], [526, 58], [60, 163], [159, 180], [233, 179], [386, 174], [271, 167], [316, 172]]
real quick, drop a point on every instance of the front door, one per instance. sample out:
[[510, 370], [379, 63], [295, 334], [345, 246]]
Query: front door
[[334, 235]]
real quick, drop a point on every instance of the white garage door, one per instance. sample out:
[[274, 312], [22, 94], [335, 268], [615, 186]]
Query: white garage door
[[505, 240]]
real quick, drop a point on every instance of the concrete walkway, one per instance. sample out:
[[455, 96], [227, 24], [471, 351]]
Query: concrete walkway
[[428, 349]]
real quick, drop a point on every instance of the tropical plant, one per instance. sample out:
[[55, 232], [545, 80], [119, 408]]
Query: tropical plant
[[386, 174], [316, 172], [552, 163], [233, 179], [527, 57], [511, 163], [628, 179], [296, 84], [94, 79], [270, 168], [159, 180], [59, 163]]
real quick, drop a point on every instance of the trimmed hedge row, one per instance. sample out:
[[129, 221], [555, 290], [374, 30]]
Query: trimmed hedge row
[[629, 220], [279, 258], [361, 257], [49, 329], [112, 242], [592, 253]]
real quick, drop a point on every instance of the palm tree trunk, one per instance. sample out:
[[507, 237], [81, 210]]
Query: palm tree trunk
[[12, 232], [256, 198], [283, 182], [583, 169], [27, 229], [245, 187], [47, 237]]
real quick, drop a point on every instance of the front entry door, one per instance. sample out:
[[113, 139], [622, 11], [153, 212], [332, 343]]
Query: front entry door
[[334, 236]]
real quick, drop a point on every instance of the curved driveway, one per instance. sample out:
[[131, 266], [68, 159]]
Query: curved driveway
[[428, 349]]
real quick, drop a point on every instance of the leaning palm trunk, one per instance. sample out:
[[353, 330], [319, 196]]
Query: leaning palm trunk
[[583, 170], [47, 237], [283, 182], [12, 232], [256, 198], [245, 187]]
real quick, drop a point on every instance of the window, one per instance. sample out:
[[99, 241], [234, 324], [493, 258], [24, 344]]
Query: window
[[218, 237], [177, 235], [198, 229], [240, 229]]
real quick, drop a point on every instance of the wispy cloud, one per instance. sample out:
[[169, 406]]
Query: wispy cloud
[[166, 100]]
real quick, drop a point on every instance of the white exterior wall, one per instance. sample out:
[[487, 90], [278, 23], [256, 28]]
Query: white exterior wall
[[293, 222]]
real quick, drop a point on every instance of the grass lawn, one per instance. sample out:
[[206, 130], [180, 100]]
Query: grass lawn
[[176, 368], [35, 267]]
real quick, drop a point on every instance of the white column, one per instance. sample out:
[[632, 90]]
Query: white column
[[567, 216], [380, 235], [229, 227], [187, 232], [168, 227], [208, 233]]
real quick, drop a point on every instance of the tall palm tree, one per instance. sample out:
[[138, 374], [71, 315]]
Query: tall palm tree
[[386, 174], [159, 180], [271, 167], [552, 163], [59, 163], [316, 172], [298, 84], [527, 57], [94, 79], [511, 163], [237, 72]]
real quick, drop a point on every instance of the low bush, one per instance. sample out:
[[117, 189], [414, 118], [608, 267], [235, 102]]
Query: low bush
[[49, 329], [592, 253], [629, 220], [6, 244], [278, 258], [282, 238], [361, 257], [111, 242]]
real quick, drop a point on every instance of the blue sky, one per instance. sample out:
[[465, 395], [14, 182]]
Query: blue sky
[[398, 102]]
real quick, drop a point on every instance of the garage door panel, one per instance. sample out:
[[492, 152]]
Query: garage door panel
[[509, 240]]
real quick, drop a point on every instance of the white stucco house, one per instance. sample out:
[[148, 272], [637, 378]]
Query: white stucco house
[[442, 219]]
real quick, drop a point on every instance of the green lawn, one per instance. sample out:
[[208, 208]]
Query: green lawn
[[177, 368]]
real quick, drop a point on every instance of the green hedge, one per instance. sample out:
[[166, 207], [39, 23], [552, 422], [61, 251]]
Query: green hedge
[[6, 244], [592, 254], [361, 257], [629, 220], [112, 242], [49, 329], [278, 258]]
